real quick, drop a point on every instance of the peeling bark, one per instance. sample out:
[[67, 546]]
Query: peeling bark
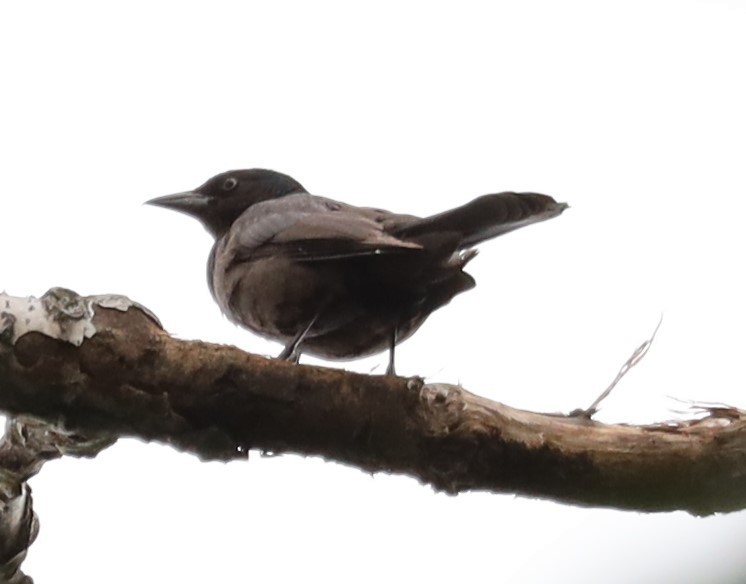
[[127, 377]]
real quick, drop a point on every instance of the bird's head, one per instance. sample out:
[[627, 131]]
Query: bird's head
[[222, 199]]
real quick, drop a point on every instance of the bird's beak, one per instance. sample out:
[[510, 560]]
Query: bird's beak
[[189, 202]]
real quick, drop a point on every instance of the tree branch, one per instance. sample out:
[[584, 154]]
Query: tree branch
[[112, 371], [25, 446]]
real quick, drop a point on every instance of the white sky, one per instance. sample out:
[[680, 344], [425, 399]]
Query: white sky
[[633, 112]]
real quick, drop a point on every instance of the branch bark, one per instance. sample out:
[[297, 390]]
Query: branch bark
[[105, 367]]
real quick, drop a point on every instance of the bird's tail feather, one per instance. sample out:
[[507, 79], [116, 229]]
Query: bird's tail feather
[[486, 217]]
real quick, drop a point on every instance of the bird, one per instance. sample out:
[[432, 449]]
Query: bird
[[332, 279]]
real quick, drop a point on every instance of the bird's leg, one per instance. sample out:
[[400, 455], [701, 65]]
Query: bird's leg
[[291, 352], [391, 370]]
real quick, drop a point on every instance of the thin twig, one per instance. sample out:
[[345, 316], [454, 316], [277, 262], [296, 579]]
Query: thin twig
[[634, 359]]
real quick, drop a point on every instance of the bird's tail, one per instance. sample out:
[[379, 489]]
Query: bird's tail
[[486, 217]]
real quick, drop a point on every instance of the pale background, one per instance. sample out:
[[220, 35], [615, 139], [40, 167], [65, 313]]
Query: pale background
[[633, 112]]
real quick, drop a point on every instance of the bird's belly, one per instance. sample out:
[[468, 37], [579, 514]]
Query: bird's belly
[[277, 297], [353, 313]]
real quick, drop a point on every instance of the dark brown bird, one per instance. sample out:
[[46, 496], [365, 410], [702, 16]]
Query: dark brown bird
[[331, 279]]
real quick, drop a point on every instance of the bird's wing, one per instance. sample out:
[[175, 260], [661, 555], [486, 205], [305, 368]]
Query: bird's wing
[[316, 232]]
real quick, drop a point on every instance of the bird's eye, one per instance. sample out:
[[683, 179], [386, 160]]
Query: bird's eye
[[230, 184]]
